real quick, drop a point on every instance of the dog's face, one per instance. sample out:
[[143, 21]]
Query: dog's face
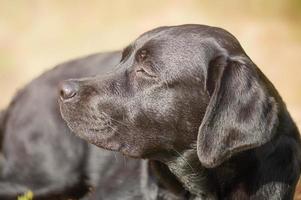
[[153, 102], [167, 82]]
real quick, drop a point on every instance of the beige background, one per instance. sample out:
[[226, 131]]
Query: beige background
[[35, 35]]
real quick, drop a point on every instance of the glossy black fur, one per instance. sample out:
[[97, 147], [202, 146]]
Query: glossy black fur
[[39, 152], [190, 97], [41, 155]]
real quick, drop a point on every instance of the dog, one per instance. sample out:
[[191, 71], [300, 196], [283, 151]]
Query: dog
[[189, 97], [42, 157]]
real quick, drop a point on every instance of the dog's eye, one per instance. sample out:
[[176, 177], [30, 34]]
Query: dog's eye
[[145, 72], [141, 55], [141, 70]]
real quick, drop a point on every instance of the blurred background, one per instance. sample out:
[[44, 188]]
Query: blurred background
[[35, 35]]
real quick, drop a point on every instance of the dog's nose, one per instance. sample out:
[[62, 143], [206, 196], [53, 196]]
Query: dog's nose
[[68, 89]]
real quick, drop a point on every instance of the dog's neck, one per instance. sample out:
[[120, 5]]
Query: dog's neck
[[191, 174], [157, 182]]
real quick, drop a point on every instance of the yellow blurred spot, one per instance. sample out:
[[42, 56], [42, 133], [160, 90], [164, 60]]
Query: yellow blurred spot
[[26, 196]]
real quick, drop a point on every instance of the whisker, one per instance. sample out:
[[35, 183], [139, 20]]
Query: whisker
[[115, 156], [119, 122], [124, 161], [166, 84], [126, 125], [181, 156]]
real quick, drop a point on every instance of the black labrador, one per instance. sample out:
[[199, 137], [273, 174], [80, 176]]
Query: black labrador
[[189, 97], [41, 155]]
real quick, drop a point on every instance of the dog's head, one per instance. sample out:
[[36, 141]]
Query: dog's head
[[173, 88]]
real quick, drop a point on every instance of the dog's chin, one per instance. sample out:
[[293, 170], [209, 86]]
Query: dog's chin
[[97, 138], [111, 143], [107, 143], [104, 137]]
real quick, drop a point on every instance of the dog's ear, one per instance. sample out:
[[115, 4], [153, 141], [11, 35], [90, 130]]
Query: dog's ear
[[241, 113]]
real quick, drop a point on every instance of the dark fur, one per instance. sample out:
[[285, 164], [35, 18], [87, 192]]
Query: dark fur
[[190, 97], [41, 154]]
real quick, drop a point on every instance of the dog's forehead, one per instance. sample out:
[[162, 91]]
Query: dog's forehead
[[176, 41], [171, 33], [172, 43], [191, 36], [186, 49]]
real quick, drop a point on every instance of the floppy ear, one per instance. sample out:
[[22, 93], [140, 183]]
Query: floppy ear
[[241, 113]]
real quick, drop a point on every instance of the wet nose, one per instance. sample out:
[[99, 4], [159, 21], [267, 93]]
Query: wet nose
[[68, 89]]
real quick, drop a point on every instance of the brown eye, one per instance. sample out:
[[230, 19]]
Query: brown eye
[[141, 55], [141, 70]]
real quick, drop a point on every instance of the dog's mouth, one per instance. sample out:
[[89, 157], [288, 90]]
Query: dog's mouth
[[103, 129], [96, 129]]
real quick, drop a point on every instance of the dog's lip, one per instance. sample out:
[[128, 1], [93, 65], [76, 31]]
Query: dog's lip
[[106, 142], [110, 143], [111, 146], [117, 147]]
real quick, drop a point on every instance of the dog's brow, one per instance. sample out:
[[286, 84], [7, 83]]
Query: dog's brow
[[126, 51]]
